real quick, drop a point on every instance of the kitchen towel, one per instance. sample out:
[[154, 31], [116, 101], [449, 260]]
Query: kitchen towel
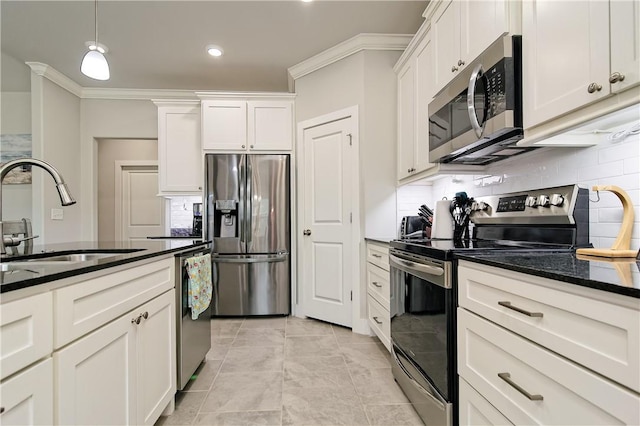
[[200, 287], [442, 227]]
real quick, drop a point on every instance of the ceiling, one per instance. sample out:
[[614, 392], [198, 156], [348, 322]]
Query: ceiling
[[161, 44]]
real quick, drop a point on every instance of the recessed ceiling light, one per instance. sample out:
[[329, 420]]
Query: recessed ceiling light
[[214, 50]]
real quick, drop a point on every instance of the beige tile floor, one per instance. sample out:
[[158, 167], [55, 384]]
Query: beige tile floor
[[292, 371]]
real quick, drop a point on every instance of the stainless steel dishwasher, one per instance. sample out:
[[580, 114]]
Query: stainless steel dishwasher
[[193, 337]]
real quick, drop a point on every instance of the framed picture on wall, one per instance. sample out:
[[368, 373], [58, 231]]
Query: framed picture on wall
[[13, 147]]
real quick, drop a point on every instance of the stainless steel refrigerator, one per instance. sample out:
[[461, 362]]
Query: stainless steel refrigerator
[[248, 220]]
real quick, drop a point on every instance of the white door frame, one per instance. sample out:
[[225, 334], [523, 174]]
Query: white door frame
[[119, 165], [359, 316]]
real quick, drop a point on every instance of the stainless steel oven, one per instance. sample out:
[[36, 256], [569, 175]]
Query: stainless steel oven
[[424, 289], [422, 334]]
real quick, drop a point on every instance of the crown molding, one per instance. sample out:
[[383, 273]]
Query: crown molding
[[136, 94], [348, 47], [245, 95], [56, 77], [176, 102]]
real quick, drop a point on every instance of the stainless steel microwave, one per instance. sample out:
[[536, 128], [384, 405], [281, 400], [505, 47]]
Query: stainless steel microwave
[[477, 118]]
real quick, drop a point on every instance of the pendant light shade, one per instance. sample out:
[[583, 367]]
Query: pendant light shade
[[94, 64]]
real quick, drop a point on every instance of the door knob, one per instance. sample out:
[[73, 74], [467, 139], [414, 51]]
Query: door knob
[[306, 232]]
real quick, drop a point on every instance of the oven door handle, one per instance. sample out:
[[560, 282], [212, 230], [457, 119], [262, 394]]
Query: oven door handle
[[408, 266]]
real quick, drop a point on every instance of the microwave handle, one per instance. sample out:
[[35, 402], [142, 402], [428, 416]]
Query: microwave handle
[[471, 105]]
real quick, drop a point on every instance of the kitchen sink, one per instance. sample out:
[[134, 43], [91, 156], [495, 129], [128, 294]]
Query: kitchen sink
[[67, 258], [56, 258]]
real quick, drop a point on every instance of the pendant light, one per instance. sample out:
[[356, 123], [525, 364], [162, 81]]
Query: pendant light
[[94, 64]]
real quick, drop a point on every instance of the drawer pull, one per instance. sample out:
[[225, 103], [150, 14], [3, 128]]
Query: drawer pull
[[376, 255], [376, 284], [376, 320], [507, 378], [507, 304]]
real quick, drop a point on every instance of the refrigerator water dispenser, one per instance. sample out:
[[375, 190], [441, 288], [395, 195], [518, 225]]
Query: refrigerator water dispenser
[[225, 219]]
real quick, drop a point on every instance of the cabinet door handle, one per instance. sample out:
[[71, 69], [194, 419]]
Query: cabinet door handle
[[454, 68], [507, 378], [145, 315], [251, 146], [242, 146], [507, 304], [460, 62], [376, 284], [376, 320], [594, 87], [616, 77], [1, 410], [136, 320]]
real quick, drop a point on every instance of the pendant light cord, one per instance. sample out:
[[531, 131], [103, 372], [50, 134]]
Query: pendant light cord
[[96, 23]]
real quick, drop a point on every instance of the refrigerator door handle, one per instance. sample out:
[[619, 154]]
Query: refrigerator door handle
[[242, 178], [249, 199], [280, 257]]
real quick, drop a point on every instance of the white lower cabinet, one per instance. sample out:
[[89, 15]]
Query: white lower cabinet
[[475, 410], [538, 351], [531, 385], [124, 372], [378, 291], [27, 397]]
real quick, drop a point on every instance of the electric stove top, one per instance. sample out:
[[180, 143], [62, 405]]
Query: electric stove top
[[446, 249]]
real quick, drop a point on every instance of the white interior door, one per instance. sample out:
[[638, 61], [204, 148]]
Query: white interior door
[[327, 241], [140, 213]]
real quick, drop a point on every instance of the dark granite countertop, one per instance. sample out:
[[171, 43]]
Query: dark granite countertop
[[40, 273], [618, 276], [384, 240]]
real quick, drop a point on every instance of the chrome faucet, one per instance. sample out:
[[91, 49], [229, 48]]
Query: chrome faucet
[[65, 196]]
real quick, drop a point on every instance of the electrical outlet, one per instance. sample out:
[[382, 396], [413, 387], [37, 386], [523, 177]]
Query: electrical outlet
[[57, 214]]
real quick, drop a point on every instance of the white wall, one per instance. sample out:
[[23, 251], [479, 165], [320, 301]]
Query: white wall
[[16, 119], [608, 163], [378, 143], [55, 115], [108, 119]]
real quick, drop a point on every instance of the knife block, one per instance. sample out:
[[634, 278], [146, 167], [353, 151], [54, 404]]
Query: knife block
[[622, 245]]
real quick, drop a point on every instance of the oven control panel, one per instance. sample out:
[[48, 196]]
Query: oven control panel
[[538, 206], [511, 204]]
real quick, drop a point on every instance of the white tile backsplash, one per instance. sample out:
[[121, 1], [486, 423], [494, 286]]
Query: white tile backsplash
[[608, 163], [182, 211], [410, 197]]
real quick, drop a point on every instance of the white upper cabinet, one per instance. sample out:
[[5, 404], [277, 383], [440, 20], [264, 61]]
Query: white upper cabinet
[[247, 124], [270, 125], [462, 30], [179, 150], [625, 44], [415, 91], [424, 94], [406, 120], [565, 57], [224, 125]]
